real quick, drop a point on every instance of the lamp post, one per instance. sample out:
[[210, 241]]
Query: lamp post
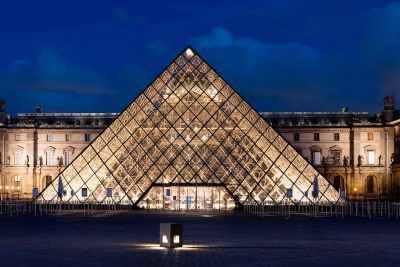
[[355, 193], [7, 192], [1, 192]]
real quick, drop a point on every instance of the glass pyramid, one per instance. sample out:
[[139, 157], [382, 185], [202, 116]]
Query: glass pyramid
[[188, 128]]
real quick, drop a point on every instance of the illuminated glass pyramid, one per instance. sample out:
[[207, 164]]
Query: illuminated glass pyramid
[[188, 128]]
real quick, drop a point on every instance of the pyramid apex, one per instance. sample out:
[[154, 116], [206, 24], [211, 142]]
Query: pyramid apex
[[188, 52]]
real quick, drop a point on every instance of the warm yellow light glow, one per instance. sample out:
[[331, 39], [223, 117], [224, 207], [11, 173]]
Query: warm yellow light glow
[[176, 239], [164, 239], [189, 53], [1, 187], [6, 187], [355, 189], [188, 127], [12, 187], [148, 246]]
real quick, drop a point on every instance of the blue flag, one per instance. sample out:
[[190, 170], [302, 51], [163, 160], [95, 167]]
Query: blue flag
[[60, 191], [315, 192]]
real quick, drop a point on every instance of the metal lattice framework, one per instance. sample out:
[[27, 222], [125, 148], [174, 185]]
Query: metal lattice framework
[[189, 127]]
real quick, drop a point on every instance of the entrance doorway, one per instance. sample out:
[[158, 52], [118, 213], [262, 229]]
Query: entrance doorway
[[188, 197]]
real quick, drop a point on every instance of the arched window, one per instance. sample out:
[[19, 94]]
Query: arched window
[[48, 179], [17, 182], [370, 184], [338, 183]]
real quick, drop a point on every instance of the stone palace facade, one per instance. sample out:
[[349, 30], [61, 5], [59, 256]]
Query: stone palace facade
[[356, 152]]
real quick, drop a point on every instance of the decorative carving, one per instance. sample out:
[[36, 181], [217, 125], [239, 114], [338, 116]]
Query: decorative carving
[[360, 160], [27, 161], [346, 161]]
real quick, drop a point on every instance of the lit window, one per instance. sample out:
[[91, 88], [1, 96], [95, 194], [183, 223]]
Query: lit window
[[17, 182], [67, 157], [316, 136], [370, 157], [49, 137], [87, 137], [49, 157], [18, 157], [17, 137], [336, 136], [296, 137], [316, 157], [370, 136]]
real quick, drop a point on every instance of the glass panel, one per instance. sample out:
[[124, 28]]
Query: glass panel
[[190, 142]]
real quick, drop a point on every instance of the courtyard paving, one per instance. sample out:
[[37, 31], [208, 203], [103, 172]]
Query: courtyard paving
[[211, 239]]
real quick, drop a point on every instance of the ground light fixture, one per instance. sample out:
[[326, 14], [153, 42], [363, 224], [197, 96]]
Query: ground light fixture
[[170, 235]]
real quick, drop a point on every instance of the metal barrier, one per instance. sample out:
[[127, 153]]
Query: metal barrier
[[368, 209], [24, 207]]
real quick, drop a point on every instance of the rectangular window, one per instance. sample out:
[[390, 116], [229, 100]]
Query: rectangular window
[[17, 137], [49, 137], [316, 136], [87, 137], [370, 136], [370, 157], [49, 158], [68, 137], [18, 157], [336, 136], [296, 137], [316, 158], [67, 157]]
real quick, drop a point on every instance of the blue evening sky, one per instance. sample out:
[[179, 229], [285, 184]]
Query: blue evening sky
[[281, 55]]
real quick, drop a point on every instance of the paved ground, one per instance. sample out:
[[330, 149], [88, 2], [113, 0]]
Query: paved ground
[[233, 239]]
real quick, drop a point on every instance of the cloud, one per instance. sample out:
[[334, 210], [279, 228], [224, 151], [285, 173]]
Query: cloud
[[290, 72], [49, 71]]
